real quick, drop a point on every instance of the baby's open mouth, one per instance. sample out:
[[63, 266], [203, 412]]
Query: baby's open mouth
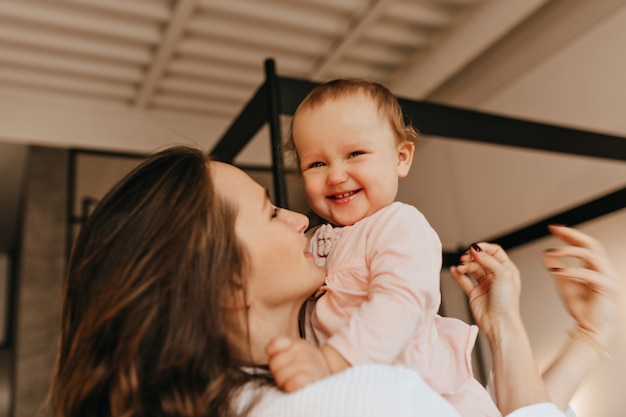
[[344, 195]]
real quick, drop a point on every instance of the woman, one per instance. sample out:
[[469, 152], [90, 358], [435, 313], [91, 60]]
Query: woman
[[186, 272]]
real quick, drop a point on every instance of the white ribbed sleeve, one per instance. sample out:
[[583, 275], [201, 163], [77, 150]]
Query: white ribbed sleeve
[[361, 391], [538, 410]]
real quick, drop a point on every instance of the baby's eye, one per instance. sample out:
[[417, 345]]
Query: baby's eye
[[275, 212], [356, 153], [316, 165]]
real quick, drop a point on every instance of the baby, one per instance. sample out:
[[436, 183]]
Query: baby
[[381, 296]]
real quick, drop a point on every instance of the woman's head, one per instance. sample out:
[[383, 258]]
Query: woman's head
[[352, 146], [280, 272], [146, 317]]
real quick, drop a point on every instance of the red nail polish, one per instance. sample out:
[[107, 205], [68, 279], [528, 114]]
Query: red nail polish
[[476, 247]]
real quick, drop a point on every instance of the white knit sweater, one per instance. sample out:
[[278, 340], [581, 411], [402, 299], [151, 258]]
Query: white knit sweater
[[365, 391]]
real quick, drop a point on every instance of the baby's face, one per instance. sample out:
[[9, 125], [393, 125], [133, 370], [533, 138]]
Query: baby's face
[[349, 157]]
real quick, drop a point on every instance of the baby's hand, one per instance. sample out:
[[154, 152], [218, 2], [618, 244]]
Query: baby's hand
[[295, 363]]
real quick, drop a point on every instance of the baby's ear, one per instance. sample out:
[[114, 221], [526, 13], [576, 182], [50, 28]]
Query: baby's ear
[[406, 150]]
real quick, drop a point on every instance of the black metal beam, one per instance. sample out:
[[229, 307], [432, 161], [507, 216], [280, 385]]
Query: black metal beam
[[273, 117], [590, 210], [458, 123], [253, 116]]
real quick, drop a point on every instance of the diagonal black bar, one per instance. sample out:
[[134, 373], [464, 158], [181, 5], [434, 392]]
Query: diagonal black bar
[[273, 116], [243, 128], [590, 210]]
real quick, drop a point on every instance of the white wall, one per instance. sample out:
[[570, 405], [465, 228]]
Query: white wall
[[50, 120]]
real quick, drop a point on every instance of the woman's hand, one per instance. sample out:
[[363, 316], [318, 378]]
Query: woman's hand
[[588, 291], [492, 283]]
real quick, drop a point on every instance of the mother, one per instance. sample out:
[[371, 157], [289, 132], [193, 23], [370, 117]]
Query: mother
[[186, 271]]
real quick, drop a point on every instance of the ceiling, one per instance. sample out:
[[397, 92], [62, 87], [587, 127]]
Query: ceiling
[[205, 57]]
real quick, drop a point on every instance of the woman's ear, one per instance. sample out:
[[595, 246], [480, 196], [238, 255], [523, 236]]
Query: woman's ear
[[406, 149]]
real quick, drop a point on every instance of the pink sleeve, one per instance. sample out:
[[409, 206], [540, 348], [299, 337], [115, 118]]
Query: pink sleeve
[[404, 257]]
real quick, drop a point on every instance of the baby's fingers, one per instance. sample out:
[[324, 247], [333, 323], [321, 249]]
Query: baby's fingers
[[278, 345]]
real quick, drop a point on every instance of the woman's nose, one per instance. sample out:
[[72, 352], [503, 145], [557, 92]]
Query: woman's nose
[[298, 220]]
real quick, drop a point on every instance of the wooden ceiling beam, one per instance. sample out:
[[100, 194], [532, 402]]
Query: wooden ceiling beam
[[355, 32], [176, 27]]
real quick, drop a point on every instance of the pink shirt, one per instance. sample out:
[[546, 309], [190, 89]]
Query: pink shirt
[[380, 300]]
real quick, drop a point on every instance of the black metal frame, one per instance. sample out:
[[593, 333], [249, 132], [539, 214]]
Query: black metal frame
[[281, 95]]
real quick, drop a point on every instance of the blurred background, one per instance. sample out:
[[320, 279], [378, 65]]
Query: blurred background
[[87, 87]]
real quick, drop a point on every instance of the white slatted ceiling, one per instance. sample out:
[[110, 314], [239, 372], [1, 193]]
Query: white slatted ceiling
[[205, 56]]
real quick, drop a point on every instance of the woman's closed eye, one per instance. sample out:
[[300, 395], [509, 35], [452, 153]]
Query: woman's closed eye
[[275, 212]]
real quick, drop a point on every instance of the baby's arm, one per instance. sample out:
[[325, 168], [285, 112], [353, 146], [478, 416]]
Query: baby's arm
[[296, 363]]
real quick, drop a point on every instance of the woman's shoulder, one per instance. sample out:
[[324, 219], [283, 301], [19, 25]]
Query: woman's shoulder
[[364, 391]]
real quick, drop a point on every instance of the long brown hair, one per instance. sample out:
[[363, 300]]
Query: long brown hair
[[142, 332]]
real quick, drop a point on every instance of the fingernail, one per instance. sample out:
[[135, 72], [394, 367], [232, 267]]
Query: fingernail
[[476, 247], [557, 225]]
